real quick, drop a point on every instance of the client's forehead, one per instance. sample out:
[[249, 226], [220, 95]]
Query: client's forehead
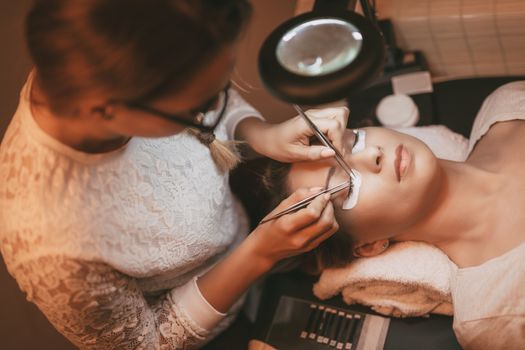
[[309, 174]]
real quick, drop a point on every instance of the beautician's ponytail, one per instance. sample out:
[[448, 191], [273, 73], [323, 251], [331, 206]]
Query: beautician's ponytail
[[225, 154]]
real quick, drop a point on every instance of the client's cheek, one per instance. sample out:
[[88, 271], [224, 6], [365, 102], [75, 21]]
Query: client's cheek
[[338, 199]]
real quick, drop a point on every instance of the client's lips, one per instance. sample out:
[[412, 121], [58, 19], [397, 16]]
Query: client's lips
[[401, 162]]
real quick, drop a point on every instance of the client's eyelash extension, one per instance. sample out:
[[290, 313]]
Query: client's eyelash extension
[[357, 139], [331, 172], [356, 134], [351, 188]]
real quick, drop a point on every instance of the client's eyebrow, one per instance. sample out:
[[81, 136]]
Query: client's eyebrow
[[331, 172]]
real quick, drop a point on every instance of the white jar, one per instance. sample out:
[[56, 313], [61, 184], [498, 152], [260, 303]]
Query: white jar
[[397, 111]]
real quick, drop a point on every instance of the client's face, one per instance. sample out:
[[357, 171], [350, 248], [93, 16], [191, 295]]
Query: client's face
[[397, 172]]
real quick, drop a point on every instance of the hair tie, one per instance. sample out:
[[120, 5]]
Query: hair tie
[[206, 138], [224, 153]]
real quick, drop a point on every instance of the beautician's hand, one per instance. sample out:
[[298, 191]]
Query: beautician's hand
[[294, 233], [289, 141], [269, 243]]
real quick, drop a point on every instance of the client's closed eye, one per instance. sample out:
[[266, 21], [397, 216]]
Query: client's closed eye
[[358, 145], [359, 140], [340, 175], [351, 199]]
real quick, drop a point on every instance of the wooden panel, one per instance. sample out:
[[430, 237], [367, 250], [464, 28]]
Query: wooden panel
[[462, 38], [267, 15], [14, 62]]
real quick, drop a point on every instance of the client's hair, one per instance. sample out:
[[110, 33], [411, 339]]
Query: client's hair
[[261, 184]]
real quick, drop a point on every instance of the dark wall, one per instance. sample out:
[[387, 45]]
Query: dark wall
[[22, 326], [14, 61]]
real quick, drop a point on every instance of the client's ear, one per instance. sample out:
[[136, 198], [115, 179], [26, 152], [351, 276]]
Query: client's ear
[[364, 250]]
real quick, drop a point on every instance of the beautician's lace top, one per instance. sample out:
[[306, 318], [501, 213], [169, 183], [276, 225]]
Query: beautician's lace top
[[108, 245]]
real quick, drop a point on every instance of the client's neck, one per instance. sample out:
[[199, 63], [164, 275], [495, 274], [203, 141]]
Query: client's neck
[[461, 218]]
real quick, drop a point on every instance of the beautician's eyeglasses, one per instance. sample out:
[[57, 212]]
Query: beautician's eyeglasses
[[205, 117]]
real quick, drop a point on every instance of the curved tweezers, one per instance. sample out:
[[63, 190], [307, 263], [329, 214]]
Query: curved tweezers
[[304, 203]]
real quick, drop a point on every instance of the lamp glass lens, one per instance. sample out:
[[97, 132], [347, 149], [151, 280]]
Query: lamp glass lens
[[319, 47]]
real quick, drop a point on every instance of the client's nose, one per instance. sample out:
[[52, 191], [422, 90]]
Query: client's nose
[[370, 159]]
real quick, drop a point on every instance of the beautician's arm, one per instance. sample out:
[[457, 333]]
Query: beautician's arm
[[98, 307], [285, 237], [289, 141]]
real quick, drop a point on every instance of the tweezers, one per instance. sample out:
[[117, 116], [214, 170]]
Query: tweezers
[[304, 203], [338, 157], [325, 141]]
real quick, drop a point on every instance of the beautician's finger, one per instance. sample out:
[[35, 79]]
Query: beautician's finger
[[313, 235], [326, 235], [303, 244], [303, 152], [333, 129], [306, 216], [295, 197], [325, 224], [332, 122], [340, 113]]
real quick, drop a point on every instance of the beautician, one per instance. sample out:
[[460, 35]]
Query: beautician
[[116, 217]]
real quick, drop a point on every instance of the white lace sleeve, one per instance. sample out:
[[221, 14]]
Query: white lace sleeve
[[97, 307], [238, 110]]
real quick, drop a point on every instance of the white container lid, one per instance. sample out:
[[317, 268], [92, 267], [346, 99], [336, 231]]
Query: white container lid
[[397, 111]]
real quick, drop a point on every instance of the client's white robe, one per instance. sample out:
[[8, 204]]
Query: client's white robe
[[489, 299]]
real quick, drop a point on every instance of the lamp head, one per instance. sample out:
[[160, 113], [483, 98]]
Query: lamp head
[[321, 57]]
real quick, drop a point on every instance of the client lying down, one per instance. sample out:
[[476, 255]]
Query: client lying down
[[472, 210]]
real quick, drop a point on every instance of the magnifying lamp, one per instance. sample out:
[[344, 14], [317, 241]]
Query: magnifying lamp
[[321, 57]]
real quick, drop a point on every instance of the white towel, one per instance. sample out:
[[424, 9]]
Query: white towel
[[408, 279], [444, 143]]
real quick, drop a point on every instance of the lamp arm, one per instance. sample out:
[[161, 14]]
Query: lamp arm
[[369, 11]]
